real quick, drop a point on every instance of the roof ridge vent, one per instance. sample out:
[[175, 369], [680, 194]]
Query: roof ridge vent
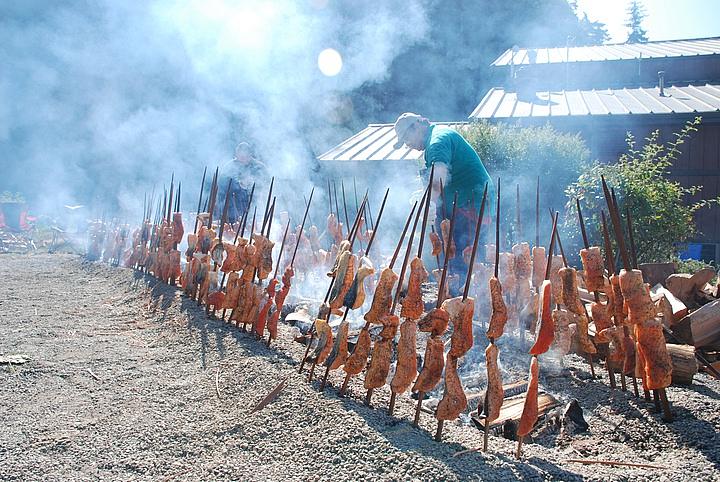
[[661, 82]]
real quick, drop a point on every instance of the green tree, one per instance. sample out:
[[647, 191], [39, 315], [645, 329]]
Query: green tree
[[660, 216], [636, 14], [444, 76], [592, 33]]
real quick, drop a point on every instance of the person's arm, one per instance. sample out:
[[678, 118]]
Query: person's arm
[[438, 154]]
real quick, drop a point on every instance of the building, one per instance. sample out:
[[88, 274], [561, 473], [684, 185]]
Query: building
[[601, 92], [604, 91]]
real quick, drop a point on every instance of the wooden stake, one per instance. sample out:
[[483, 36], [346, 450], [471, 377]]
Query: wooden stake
[[537, 213], [441, 290], [518, 226], [617, 227], [667, 413], [382, 207], [425, 214], [337, 209], [266, 213], [478, 223], [416, 420], [518, 452], [497, 231], [438, 432], [609, 265]]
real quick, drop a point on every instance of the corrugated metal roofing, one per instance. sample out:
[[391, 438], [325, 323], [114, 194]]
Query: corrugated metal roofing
[[375, 143], [499, 104], [649, 50]]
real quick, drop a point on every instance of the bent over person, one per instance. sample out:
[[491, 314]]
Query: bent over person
[[460, 170]]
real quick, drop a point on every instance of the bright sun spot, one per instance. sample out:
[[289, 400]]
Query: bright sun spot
[[330, 62]]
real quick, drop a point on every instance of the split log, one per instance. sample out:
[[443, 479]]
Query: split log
[[589, 296], [512, 408], [684, 363], [684, 286], [677, 307], [704, 325]]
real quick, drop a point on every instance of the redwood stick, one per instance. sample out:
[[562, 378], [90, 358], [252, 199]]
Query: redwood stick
[[170, 198], [425, 214], [382, 207], [518, 226], [441, 289], [337, 209], [497, 231], [610, 266], [475, 243], [537, 213], [617, 227], [402, 236], [267, 205]]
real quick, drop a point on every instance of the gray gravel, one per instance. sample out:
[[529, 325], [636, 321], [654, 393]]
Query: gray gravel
[[121, 386]]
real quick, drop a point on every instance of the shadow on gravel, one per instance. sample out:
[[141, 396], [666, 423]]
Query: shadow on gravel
[[207, 327], [402, 435], [704, 390], [692, 432]]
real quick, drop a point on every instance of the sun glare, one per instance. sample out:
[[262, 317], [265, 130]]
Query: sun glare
[[330, 62]]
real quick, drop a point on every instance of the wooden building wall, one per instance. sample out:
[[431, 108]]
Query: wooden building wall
[[697, 165]]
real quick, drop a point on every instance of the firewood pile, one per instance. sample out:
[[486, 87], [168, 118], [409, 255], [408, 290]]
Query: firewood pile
[[15, 242], [610, 317]]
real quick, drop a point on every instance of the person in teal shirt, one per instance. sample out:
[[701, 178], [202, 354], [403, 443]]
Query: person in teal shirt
[[460, 170]]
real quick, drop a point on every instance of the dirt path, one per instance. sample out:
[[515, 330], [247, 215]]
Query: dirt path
[[121, 385]]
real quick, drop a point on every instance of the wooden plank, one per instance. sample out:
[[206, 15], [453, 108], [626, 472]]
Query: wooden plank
[[512, 409]]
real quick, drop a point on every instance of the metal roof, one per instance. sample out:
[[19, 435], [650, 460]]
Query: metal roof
[[499, 104], [375, 143], [648, 50]]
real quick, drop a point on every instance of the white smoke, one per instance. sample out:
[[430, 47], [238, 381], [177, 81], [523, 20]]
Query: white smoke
[[107, 98]]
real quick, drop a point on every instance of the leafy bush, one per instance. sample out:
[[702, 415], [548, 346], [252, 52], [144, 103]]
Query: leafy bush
[[521, 154], [660, 217], [692, 266]]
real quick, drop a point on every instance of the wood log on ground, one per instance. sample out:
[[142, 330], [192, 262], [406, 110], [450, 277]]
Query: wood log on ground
[[684, 363], [704, 324], [684, 286]]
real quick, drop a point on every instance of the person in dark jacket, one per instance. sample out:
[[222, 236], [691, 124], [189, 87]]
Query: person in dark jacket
[[241, 172]]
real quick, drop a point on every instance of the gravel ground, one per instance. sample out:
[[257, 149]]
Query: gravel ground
[[121, 385]]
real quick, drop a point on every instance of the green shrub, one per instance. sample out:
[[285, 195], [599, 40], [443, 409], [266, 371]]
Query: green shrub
[[518, 155], [661, 218]]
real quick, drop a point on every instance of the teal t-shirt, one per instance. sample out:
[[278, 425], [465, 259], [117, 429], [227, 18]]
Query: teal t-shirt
[[467, 172]]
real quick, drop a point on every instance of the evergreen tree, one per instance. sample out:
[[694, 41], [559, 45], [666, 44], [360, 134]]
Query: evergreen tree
[[592, 33], [636, 14]]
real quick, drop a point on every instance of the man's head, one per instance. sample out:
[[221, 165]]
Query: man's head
[[243, 152], [411, 130]]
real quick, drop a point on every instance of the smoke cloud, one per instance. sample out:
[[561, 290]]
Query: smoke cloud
[[103, 100]]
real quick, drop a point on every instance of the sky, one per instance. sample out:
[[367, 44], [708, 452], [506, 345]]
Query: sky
[[665, 20]]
